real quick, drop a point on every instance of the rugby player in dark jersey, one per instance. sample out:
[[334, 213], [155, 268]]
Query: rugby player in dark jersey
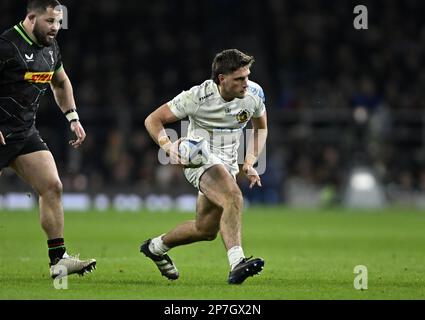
[[30, 62]]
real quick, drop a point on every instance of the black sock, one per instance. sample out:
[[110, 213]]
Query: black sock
[[56, 249]]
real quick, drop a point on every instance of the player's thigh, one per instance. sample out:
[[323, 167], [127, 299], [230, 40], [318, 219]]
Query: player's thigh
[[218, 185], [38, 169], [208, 215]]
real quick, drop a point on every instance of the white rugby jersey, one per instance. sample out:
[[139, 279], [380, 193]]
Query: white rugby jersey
[[219, 121]]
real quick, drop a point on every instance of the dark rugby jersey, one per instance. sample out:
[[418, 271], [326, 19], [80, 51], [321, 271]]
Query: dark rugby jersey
[[26, 70]]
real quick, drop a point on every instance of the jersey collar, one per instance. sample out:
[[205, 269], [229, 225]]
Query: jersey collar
[[21, 30]]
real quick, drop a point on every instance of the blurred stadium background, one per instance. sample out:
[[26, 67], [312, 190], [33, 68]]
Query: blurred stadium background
[[346, 107], [347, 130]]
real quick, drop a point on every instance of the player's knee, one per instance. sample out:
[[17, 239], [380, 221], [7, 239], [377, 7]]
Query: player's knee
[[209, 235], [54, 187], [208, 232], [234, 199]]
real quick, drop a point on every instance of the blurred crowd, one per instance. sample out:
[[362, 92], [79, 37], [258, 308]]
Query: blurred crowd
[[337, 97]]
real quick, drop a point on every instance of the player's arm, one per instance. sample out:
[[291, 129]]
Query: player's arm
[[62, 90], [256, 145], [64, 96], [258, 139], [155, 124], [6, 54]]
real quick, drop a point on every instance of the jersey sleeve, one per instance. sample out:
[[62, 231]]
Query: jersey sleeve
[[5, 53], [59, 64], [184, 104], [260, 107]]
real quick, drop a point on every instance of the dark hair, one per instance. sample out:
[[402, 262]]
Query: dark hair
[[229, 61], [41, 5]]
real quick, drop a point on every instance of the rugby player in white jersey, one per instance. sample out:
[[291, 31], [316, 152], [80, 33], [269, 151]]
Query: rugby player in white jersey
[[220, 107]]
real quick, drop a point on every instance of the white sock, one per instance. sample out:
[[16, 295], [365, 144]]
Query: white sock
[[157, 246], [65, 256], [235, 255]]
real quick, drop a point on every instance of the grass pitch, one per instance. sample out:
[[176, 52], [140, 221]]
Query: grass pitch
[[309, 254]]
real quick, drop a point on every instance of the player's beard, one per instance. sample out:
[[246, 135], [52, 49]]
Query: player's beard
[[41, 37]]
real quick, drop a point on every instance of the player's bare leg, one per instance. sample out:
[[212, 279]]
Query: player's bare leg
[[39, 170], [220, 187], [204, 228], [218, 209], [223, 197]]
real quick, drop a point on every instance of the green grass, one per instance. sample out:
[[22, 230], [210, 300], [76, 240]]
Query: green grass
[[309, 254]]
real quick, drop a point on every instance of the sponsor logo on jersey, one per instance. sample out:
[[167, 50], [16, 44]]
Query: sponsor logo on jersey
[[206, 97], [29, 57], [39, 77], [243, 116]]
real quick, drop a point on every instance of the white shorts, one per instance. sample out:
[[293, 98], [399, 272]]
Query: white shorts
[[193, 175]]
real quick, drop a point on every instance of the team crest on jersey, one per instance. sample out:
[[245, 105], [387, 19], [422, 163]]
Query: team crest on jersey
[[39, 77], [51, 56], [243, 116]]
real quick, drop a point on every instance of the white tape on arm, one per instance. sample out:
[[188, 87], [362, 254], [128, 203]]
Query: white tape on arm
[[72, 115]]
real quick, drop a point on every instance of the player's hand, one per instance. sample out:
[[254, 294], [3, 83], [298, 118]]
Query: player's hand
[[2, 139], [252, 175], [78, 129], [172, 150]]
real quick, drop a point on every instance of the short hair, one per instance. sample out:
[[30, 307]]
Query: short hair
[[41, 5], [229, 61]]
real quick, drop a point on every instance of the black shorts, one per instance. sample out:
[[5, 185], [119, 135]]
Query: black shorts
[[11, 151]]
